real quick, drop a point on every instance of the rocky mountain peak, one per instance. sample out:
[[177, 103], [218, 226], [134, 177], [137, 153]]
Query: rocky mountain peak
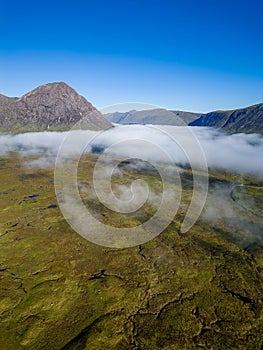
[[51, 106], [58, 89]]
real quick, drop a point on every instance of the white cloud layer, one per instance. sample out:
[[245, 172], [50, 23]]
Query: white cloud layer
[[240, 153]]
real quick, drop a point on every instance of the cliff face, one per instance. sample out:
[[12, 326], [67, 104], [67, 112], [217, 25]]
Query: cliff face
[[54, 106], [247, 120]]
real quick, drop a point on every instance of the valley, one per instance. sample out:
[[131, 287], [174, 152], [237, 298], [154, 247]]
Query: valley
[[202, 289]]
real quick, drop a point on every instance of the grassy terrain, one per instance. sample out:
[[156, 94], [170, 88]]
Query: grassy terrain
[[198, 290]]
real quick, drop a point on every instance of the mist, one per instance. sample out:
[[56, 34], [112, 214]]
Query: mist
[[241, 223], [240, 153]]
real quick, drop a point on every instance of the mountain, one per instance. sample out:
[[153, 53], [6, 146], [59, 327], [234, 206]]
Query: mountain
[[53, 106], [152, 116], [246, 120], [56, 106]]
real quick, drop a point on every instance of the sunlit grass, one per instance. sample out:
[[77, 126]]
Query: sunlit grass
[[177, 291]]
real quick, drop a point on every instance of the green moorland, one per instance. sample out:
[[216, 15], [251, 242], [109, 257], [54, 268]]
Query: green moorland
[[199, 290]]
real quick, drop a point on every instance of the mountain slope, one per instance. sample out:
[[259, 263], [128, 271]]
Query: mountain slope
[[152, 116], [53, 106], [247, 120]]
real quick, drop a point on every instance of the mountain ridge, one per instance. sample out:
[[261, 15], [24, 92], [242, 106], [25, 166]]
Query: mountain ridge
[[57, 106], [248, 120], [242, 120], [153, 116]]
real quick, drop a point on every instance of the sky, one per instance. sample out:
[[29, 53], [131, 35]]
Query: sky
[[184, 55]]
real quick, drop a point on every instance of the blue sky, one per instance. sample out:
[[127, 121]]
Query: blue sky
[[189, 55]]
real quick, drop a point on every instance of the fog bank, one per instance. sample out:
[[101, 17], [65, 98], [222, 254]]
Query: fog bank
[[241, 153]]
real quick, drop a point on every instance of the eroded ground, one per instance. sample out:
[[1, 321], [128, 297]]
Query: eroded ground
[[202, 289]]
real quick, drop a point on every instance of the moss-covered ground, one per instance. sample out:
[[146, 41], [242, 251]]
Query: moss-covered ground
[[199, 290]]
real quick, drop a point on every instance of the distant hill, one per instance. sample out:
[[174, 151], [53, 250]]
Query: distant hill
[[153, 116], [54, 106], [246, 120]]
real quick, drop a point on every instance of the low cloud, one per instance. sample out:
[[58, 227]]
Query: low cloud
[[239, 153], [239, 219]]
